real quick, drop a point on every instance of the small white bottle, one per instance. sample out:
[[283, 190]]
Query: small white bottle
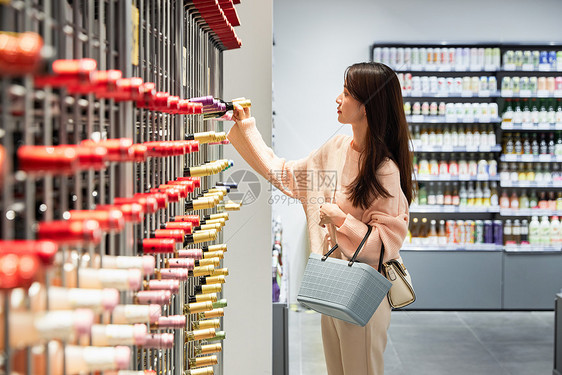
[[555, 227], [544, 231], [534, 231]]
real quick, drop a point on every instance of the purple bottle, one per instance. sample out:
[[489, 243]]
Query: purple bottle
[[488, 231], [498, 232]]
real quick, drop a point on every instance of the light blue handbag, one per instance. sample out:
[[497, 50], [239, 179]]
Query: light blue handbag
[[346, 290]]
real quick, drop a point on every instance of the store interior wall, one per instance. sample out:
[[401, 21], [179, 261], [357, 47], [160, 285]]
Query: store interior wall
[[315, 40], [247, 321]]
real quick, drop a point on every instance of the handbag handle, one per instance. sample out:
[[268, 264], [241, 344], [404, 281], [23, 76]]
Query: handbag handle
[[381, 257], [352, 260]]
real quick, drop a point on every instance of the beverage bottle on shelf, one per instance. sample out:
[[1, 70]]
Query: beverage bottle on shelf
[[463, 195], [551, 201], [517, 144], [555, 231], [463, 166], [543, 112], [534, 231], [443, 166], [508, 147], [482, 168], [539, 174], [472, 165], [494, 198], [453, 168], [432, 136], [533, 200], [199, 362], [447, 135], [44, 326], [439, 196], [431, 194], [516, 232], [507, 233], [478, 195], [504, 172], [551, 116], [558, 145], [424, 230], [469, 136], [422, 195], [558, 117], [535, 148], [470, 195], [432, 234], [514, 201], [207, 323], [200, 334], [447, 197], [461, 135], [544, 231], [559, 201], [514, 173], [424, 166], [442, 234], [118, 334], [534, 112], [455, 198], [491, 135], [454, 136], [486, 195], [551, 144], [543, 201], [200, 371], [433, 165], [414, 230], [524, 200], [527, 145], [524, 232], [526, 115], [517, 113], [504, 200], [507, 115]]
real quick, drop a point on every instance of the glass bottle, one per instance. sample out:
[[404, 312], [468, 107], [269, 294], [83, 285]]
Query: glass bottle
[[494, 198], [504, 200], [463, 195], [523, 200]]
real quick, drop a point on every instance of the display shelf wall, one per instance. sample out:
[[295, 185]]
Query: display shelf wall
[[478, 89], [171, 45]]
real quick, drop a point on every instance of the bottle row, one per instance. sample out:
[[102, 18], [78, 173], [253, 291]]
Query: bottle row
[[433, 164], [476, 136], [532, 60], [460, 194], [445, 86], [535, 200], [539, 173], [531, 86], [429, 58], [529, 144], [533, 111], [454, 232], [535, 233], [456, 111]]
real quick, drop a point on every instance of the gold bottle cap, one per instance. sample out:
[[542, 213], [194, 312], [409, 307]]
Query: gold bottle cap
[[214, 313], [199, 171], [210, 323], [210, 297], [220, 221], [203, 270], [213, 254], [197, 307], [204, 361], [223, 215], [221, 246], [214, 261], [201, 371], [220, 271], [220, 279], [204, 235], [201, 334], [216, 226], [211, 348], [213, 288]]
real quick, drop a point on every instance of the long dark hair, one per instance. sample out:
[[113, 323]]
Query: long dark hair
[[377, 87]]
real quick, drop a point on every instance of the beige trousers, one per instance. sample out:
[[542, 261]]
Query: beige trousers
[[353, 350]]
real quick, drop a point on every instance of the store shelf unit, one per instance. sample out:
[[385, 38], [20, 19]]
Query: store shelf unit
[[168, 44], [456, 95]]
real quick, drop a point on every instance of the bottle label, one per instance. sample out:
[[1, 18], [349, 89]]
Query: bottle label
[[131, 314], [55, 324], [84, 298], [117, 334], [99, 358]]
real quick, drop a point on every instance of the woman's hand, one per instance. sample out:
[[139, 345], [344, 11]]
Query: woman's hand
[[330, 213], [239, 114]]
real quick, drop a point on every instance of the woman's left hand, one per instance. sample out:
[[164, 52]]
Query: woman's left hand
[[330, 213]]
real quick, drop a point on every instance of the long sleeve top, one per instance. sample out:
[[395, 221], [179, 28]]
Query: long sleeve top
[[323, 175]]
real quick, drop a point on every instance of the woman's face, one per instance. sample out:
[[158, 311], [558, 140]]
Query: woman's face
[[350, 110]]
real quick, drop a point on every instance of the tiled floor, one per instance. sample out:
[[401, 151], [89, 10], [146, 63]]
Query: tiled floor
[[439, 343]]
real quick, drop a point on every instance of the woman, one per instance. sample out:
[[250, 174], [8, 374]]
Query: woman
[[374, 186]]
